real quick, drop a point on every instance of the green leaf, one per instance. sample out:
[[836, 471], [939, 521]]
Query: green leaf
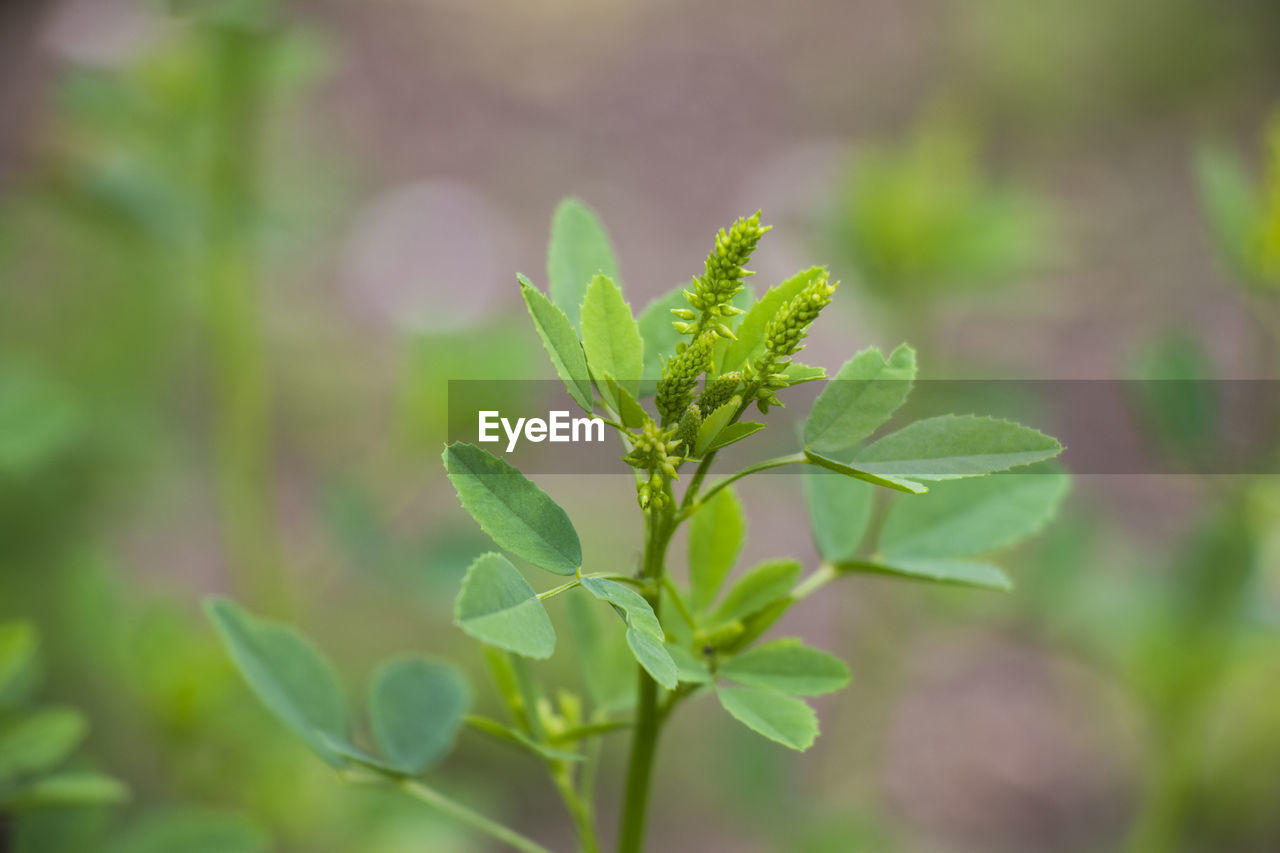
[[560, 340], [192, 831], [37, 741], [415, 710], [864, 394], [948, 572], [1234, 207], [839, 511], [788, 666], [797, 373], [578, 250], [629, 409], [603, 656], [757, 589], [750, 332], [497, 606], [888, 482], [734, 432], [610, 336], [287, 674], [716, 533], [689, 667], [660, 336], [644, 633], [965, 517], [516, 514], [17, 661], [952, 446], [711, 426], [785, 719], [63, 790]]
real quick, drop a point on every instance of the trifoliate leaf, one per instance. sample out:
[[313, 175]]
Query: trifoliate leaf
[[788, 666], [416, 708], [516, 514], [287, 674], [497, 606], [785, 719]]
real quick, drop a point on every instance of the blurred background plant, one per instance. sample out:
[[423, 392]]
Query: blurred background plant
[[227, 231]]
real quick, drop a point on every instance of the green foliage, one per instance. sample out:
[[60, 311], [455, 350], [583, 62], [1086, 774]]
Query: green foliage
[[37, 741], [779, 717], [561, 343], [579, 250], [288, 675], [677, 641], [415, 711], [611, 337], [1244, 214], [716, 534], [515, 513], [788, 666], [866, 392], [498, 607]]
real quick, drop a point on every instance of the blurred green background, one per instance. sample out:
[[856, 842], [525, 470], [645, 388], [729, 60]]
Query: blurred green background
[[244, 245]]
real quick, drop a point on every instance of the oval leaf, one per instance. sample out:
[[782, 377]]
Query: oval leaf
[[762, 586], [579, 249], [497, 606], [864, 394], [415, 710], [966, 517], [644, 633], [788, 666], [515, 513], [952, 446], [287, 674], [715, 538], [785, 719], [839, 511], [37, 741], [610, 336], [560, 340]]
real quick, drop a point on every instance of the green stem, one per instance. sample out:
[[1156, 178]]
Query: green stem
[[579, 807], [644, 740], [554, 591], [241, 410], [473, 819], [777, 462]]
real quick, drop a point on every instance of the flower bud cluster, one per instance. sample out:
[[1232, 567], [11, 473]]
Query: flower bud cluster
[[653, 451], [784, 337], [680, 377], [712, 295]]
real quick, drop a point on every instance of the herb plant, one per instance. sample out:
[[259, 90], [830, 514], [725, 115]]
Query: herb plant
[[708, 361]]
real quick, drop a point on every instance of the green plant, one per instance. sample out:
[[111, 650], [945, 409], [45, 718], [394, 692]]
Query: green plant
[[36, 741], [682, 641]]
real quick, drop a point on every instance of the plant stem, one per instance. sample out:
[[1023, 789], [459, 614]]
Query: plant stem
[[579, 807], [644, 740], [473, 819], [777, 462], [241, 409]]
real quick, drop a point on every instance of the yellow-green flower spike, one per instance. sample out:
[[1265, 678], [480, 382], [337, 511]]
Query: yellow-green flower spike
[[784, 337], [713, 292], [680, 377]]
